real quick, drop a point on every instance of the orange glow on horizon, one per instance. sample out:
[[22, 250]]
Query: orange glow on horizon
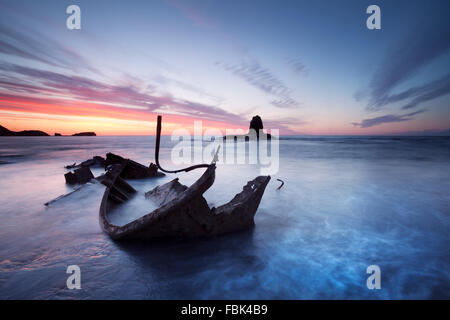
[[68, 117]]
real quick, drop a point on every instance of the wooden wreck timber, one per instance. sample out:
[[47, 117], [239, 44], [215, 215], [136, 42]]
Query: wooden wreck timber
[[183, 211], [80, 175], [132, 169]]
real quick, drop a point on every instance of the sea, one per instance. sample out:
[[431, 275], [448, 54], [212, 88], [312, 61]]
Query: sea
[[347, 203]]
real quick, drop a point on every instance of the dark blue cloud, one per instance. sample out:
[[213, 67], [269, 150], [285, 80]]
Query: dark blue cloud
[[389, 118], [427, 41], [430, 91], [418, 94]]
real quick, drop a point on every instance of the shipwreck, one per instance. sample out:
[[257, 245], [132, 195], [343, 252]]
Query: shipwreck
[[182, 211]]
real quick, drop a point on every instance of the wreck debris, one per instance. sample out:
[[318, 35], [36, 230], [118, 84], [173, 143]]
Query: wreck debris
[[99, 160], [95, 161], [158, 139], [132, 169], [77, 189], [282, 184], [119, 190], [80, 175], [183, 210], [71, 166]]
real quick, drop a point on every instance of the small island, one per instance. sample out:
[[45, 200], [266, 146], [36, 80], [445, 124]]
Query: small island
[[84, 134]]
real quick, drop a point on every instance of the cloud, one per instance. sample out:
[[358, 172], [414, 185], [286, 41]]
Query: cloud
[[34, 88], [297, 66], [160, 79], [418, 94], [263, 79], [82, 88], [285, 124], [389, 118], [285, 103], [425, 43], [44, 50], [64, 90], [430, 91]]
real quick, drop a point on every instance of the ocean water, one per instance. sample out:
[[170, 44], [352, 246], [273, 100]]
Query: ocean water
[[347, 203]]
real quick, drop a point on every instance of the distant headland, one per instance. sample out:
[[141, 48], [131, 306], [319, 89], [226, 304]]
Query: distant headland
[[6, 132], [38, 133]]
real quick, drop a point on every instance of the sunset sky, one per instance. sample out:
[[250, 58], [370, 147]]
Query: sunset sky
[[306, 67]]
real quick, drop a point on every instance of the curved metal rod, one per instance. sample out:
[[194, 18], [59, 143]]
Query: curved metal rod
[[282, 184], [158, 138]]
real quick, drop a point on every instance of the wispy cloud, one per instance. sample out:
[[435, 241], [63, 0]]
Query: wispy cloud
[[422, 93], [429, 91], [286, 102], [263, 79], [297, 66], [44, 50], [58, 91], [288, 125], [59, 81], [162, 80], [425, 43], [389, 118], [82, 88]]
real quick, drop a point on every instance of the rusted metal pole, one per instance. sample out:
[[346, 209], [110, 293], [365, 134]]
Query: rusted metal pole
[[158, 139]]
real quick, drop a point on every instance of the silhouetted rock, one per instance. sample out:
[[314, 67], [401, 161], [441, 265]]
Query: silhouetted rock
[[57, 134], [6, 132], [255, 124], [84, 134]]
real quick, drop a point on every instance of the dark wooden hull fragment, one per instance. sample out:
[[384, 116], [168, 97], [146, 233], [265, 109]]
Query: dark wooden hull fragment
[[183, 211]]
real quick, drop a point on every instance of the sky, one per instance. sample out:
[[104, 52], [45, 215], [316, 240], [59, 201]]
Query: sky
[[306, 67]]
